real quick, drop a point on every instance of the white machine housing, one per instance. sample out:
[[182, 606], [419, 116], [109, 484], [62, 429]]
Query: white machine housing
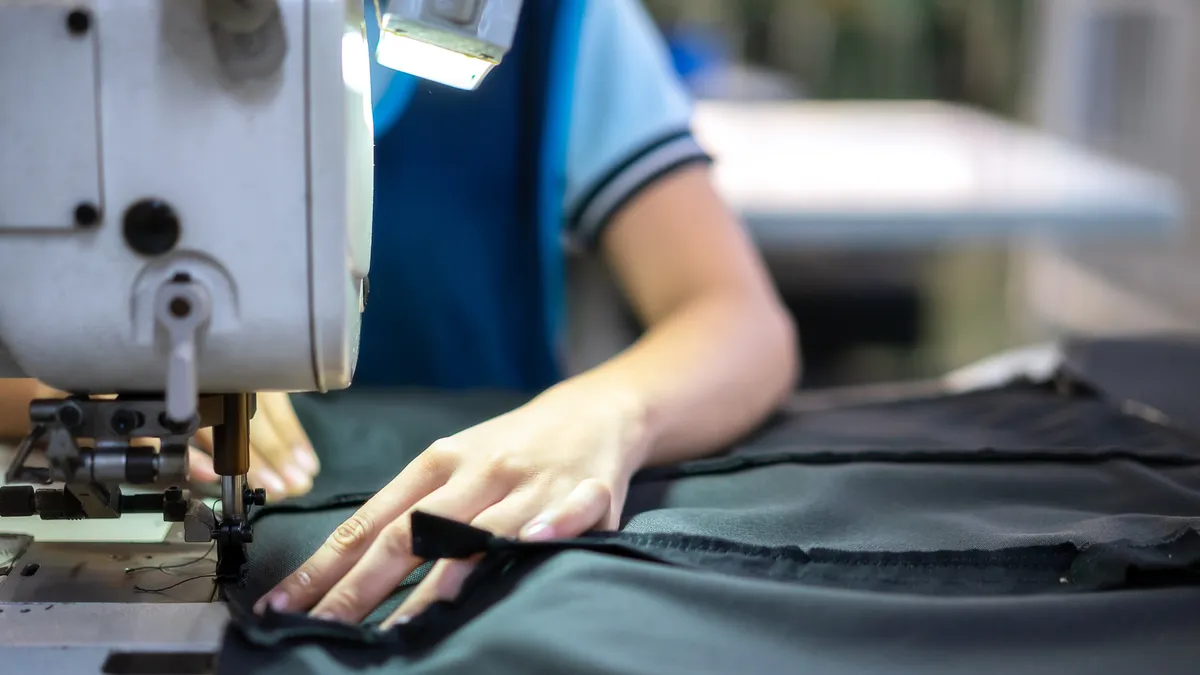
[[270, 174]]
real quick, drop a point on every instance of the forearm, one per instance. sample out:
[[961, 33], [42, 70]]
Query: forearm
[[703, 376]]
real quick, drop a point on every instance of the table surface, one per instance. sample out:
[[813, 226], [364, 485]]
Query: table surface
[[904, 173]]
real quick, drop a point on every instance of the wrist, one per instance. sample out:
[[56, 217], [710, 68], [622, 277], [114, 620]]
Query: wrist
[[619, 412]]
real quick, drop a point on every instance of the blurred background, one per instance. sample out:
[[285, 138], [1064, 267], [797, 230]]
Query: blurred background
[[933, 181]]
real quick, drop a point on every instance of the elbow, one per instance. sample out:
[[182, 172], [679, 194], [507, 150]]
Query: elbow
[[768, 349]]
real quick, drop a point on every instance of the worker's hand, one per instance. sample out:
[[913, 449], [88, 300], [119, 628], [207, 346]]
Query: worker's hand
[[282, 460], [556, 467]]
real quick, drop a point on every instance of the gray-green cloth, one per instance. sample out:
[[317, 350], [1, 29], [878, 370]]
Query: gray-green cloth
[[1017, 530]]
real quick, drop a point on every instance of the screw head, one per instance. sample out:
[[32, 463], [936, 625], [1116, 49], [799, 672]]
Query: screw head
[[70, 414], [79, 22], [125, 422], [87, 215]]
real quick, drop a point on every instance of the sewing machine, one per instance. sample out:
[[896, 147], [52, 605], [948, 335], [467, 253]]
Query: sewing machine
[[185, 219]]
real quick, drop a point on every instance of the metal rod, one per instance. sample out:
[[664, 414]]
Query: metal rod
[[231, 452], [231, 438], [232, 494]]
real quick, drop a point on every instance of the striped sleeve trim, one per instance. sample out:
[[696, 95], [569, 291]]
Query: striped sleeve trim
[[638, 171]]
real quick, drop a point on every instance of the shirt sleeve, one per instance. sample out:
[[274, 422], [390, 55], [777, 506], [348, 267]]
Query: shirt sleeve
[[631, 117]]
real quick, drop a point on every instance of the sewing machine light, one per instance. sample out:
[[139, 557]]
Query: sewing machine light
[[453, 42], [431, 62]]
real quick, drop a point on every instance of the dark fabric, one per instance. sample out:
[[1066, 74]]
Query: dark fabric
[[588, 614], [1018, 530], [1153, 377], [365, 439], [566, 611]]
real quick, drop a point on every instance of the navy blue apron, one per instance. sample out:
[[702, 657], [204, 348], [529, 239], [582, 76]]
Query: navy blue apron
[[466, 270]]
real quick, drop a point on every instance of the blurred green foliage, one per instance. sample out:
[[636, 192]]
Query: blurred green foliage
[[970, 51]]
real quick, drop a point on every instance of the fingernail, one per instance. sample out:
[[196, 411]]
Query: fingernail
[[306, 460], [398, 621], [297, 479], [277, 602], [273, 484], [323, 616], [539, 531]]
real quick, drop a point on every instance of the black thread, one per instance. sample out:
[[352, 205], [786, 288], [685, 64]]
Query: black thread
[[174, 585]]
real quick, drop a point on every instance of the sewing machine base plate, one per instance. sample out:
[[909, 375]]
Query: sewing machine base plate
[[74, 607]]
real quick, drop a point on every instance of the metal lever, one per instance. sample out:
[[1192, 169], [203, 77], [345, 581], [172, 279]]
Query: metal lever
[[182, 307]]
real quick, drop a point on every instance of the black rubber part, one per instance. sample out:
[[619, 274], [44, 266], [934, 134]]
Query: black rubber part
[[175, 505], [17, 501]]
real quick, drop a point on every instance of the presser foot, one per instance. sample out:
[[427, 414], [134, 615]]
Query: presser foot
[[233, 530]]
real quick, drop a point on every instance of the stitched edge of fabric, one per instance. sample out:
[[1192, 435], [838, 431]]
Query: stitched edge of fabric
[[733, 463], [1081, 456], [1175, 561]]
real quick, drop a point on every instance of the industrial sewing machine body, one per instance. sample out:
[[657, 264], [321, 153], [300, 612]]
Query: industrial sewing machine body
[[185, 206], [185, 219]]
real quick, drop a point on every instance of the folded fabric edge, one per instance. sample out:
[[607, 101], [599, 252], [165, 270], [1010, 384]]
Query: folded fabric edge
[[1172, 561]]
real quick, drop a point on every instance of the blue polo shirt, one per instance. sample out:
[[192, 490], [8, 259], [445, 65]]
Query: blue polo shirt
[[478, 194]]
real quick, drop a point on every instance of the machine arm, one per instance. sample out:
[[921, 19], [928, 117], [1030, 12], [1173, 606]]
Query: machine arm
[[186, 192]]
